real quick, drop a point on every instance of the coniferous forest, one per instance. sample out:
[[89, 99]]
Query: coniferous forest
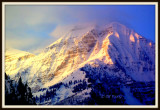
[[17, 93]]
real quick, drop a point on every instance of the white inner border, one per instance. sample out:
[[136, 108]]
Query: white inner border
[[79, 3]]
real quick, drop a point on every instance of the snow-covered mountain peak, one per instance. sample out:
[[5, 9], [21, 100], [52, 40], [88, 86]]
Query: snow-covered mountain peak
[[119, 28], [116, 25], [72, 29], [113, 45], [14, 60], [79, 30]]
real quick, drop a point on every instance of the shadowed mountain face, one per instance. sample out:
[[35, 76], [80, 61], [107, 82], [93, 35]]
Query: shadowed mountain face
[[121, 51]]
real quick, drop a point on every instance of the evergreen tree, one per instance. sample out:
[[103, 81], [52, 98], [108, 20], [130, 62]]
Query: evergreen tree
[[6, 76], [20, 87], [17, 94]]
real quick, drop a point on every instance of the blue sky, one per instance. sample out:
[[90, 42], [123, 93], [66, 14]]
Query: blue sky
[[29, 27]]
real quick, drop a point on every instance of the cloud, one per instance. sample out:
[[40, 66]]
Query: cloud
[[28, 26], [20, 43], [19, 16], [21, 40], [34, 25], [23, 16]]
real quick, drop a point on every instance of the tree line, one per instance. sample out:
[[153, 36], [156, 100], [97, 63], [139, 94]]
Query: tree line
[[17, 93]]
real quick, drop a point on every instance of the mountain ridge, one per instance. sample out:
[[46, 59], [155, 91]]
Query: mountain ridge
[[111, 44]]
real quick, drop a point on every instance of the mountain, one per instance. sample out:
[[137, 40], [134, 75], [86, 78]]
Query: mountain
[[81, 55]]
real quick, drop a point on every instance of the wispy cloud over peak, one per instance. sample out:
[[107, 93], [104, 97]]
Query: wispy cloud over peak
[[42, 22]]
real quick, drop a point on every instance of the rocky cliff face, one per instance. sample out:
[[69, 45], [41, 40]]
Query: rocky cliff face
[[114, 45]]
